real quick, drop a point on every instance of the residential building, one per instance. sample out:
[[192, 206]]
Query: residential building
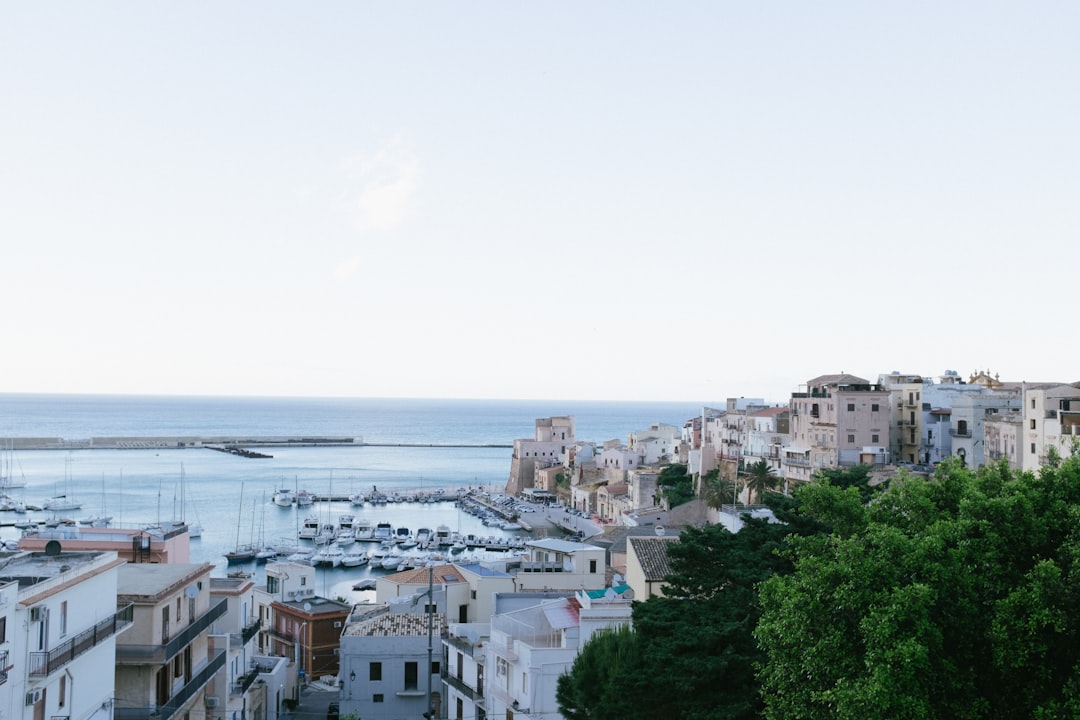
[[166, 660], [967, 423], [1051, 417], [285, 581], [59, 624], [555, 564], [647, 564], [1003, 436], [766, 434], [468, 588], [531, 647], [308, 630], [384, 655], [840, 420], [167, 543], [656, 445], [612, 502]]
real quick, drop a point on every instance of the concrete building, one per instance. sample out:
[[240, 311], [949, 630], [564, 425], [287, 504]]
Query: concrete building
[[252, 685], [530, 648], [554, 564], [308, 630], [1051, 420], [658, 444], [967, 423], [166, 660], [391, 661], [647, 564], [840, 420], [766, 434], [59, 624], [1003, 435], [285, 582], [168, 543]]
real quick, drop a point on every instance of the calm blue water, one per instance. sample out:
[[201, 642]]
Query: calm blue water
[[230, 496]]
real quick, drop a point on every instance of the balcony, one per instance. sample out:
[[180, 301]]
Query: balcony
[[797, 461], [243, 683], [43, 664], [459, 685], [244, 636], [536, 567], [955, 432], [177, 701], [160, 654]]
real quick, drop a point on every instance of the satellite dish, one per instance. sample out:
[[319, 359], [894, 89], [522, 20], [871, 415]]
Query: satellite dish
[[192, 592], [52, 548], [307, 607], [659, 530]]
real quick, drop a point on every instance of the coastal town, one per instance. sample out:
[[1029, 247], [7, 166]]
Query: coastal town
[[105, 623]]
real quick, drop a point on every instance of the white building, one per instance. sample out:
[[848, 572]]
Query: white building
[[531, 647], [553, 438], [1051, 417], [554, 564], [61, 620], [391, 661], [966, 427], [658, 444]]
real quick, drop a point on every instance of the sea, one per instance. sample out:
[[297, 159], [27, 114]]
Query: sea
[[403, 445]]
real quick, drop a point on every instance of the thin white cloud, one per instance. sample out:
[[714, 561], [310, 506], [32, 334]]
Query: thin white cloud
[[383, 185]]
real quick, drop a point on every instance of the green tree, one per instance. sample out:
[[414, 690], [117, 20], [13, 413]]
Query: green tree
[[760, 478], [953, 597], [717, 491], [604, 682], [675, 485]]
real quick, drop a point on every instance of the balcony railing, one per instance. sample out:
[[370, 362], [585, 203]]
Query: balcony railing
[[160, 654], [797, 461], [531, 566], [244, 682], [955, 432], [460, 686], [244, 636], [43, 664], [177, 701]]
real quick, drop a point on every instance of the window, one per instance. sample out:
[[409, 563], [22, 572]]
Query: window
[[63, 691], [375, 671], [177, 609], [1032, 448], [272, 585], [874, 407], [1033, 423], [63, 618], [303, 581], [410, 676], [874, 439], [851, 438], [337, 623], [377, 697], [592, 566], [3, 632], [851, 407], [435, 667]]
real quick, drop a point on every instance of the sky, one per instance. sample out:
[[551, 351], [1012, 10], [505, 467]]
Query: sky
[[681, 201]]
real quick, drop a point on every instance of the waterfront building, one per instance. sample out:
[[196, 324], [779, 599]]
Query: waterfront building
[[166, 660], [555, 564], [550, 445], [765, 435], [656, 445], [59, 624], [284, 581], [166, 543]]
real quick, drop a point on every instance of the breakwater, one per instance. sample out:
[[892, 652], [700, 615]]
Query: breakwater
[[227, 443]]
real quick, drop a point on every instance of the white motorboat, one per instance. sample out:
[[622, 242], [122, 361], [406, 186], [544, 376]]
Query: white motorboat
[[284, 497], [355, 557], [310, 529], [363, 531], [330, 555], [383, 531], [304, 499]]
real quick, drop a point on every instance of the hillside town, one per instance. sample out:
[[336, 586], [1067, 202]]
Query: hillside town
[[111, 625]]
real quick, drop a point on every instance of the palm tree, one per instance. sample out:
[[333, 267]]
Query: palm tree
[[717, 490], [759, 478]]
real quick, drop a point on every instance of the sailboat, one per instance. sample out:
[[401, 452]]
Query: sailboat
[[101, 520], [8, 480], [195, 528], [242, 552], [63, 502]]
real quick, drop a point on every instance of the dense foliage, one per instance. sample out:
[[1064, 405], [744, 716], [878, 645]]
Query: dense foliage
[[956, 597], [676, 485]]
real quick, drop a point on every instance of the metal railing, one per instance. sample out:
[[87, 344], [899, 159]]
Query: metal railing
[[177, 701], [244, 636], [42, 664], [167, 651], [244, 682]]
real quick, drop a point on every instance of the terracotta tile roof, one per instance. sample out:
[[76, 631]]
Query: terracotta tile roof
[[652, 554], [390, 624], [443, 574]]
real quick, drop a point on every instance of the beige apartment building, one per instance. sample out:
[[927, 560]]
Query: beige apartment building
[[840, 420]]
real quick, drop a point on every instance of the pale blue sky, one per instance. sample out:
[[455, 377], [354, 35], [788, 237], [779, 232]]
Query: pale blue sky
[[607, 200]]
